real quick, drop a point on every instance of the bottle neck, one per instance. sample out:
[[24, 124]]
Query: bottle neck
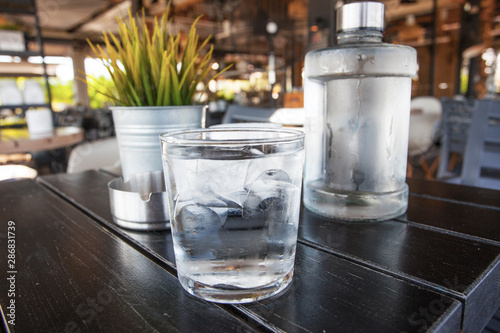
[[359, 36]]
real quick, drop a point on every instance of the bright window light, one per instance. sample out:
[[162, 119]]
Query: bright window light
[[51, 60], [4, 58], [95, 68], [443, 85], [212, 86], [65, 72], [35, 60]]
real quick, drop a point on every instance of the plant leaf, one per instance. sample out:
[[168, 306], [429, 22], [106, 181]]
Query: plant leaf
[[143, 62], [176, 93]]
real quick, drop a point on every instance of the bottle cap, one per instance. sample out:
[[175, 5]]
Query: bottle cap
[[361, 15]]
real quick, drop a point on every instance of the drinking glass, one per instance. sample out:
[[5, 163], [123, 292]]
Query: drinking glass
[[234, 200]]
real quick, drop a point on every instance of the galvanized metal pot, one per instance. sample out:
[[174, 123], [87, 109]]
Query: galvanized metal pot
[[138, 201], [138, 129]]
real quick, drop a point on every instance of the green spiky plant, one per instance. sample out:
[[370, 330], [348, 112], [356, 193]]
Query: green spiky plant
[[143, 65]]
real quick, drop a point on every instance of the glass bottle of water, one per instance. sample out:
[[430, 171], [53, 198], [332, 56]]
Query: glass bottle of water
[[357, 100]]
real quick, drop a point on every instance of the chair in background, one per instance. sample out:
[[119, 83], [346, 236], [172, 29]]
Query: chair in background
[[94, 155], [425, 114], [14, 166], [97, 123], [245, 114], [248, 125], [481, 166], [72, 116], [10, 172], [294, 117], [455, 127]]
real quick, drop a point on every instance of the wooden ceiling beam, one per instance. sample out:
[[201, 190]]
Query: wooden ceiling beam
[[98, 13]]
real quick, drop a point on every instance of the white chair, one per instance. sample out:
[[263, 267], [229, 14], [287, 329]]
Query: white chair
[[13, 171], [289, 117], [95, 155], [248, 114], [425, 115], [245, 114], [248, 125]]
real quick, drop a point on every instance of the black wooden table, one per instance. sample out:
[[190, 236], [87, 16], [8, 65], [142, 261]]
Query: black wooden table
[[435, 269]]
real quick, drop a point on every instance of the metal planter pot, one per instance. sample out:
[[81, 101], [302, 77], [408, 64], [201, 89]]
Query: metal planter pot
[[138, 201], [138, 129]]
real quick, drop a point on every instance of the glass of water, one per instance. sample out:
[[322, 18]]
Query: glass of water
[[234, 199]]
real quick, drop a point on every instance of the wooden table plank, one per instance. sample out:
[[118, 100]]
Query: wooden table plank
[[465, 218], [463, 268], [425, 255], [315, 271], [72, 274], [453, 192], [325, 286], [88, 190]]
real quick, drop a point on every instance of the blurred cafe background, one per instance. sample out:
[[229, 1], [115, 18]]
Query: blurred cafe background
[[45, 57]]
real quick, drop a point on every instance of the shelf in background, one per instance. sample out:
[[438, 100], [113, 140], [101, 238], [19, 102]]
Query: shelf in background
[[14, 10], [26, 7], [23, 75], [20, 53], [18, 7], [25, 106]]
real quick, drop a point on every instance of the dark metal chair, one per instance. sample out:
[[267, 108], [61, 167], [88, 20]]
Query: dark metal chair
[[472, 128], [455, 127], [481, 165]]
